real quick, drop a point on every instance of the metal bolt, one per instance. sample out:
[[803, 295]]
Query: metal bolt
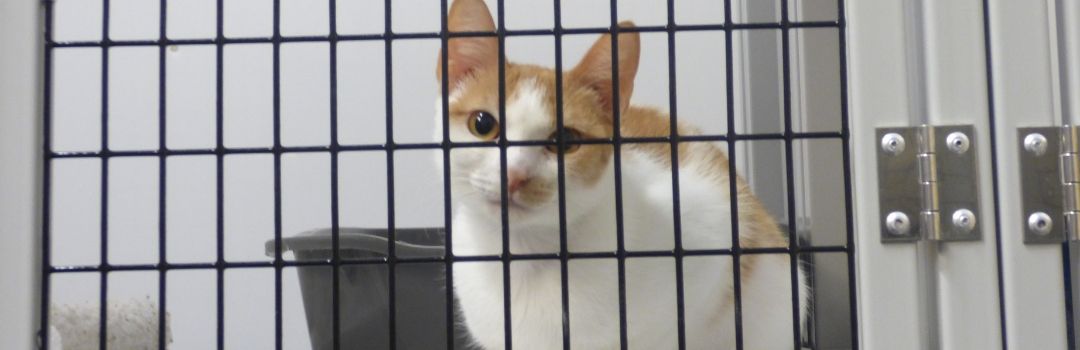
[[958, 142], [898, 223], [1040, 223], [1035, 143], [964, 220], [892, 143]]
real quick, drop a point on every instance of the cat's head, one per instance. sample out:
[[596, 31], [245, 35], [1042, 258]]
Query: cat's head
[[530, 115]]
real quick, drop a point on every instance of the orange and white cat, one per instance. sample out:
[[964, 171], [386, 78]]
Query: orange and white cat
[[532, 184]]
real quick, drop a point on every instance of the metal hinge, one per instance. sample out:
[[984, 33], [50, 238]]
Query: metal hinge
[[928, 190], [1050, 181]]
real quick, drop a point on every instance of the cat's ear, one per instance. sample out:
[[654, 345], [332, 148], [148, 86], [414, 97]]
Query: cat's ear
[[595, 68], [469, 54]]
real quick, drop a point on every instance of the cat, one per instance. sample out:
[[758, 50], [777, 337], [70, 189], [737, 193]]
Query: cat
[[532, 208]]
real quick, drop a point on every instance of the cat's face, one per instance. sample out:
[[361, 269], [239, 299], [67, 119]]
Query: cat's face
[[532, 171], [530, 115]]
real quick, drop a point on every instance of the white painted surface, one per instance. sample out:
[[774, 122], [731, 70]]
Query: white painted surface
[[1068, 48], [956, 93], [1026, 94], [888, 307], [19, 172], [1024, 86]]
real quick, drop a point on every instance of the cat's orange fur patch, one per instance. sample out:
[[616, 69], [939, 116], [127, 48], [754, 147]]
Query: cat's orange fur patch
[[757, 229]]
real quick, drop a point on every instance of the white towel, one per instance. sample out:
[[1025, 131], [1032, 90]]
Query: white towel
[[132, 325]]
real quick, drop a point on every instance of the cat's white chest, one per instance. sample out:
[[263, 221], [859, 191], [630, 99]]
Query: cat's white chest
[[648, 218]]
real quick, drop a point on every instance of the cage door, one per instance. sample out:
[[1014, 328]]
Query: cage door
[[1025, 50], [922, 62]]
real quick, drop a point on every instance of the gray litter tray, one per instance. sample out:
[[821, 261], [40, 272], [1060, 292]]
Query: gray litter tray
[[364, 296]]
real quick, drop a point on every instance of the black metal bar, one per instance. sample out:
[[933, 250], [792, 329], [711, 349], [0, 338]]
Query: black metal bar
[[335, 212], [845, 149], [616, 114], [456, 258], [1067, 110], [437, 146], [276, 105], [504, 197], [162, 177], [676, 208], [219, 171], [448, 223], [992, 124], [1070, 322], [733, 189], [436, 35], [46, 180], [793, 241], [103, 296], [560, 119], [391, 247]]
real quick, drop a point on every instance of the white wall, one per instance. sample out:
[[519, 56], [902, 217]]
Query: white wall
[[20, 172], [249, 212]]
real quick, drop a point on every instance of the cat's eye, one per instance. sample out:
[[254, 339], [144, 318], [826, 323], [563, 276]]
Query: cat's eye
[[567, 135], [483, 125]]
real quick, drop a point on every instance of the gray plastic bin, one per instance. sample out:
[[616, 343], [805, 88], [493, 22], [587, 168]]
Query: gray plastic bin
[[364, 296]]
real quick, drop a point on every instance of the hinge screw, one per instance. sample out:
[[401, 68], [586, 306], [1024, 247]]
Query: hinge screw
[[898, 223], [892, 143], [1040, 223], [1035, 143], [964, 220], [958, 142]]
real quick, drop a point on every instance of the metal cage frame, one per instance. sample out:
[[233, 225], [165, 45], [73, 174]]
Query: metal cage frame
[[163, 266]]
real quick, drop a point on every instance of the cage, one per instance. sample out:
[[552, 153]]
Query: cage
[[215, 159]]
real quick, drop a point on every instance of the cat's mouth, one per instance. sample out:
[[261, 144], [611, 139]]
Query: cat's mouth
[[517, 202], [511, 204]]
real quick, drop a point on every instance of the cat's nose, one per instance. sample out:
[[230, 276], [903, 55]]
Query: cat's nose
[[515, 180]]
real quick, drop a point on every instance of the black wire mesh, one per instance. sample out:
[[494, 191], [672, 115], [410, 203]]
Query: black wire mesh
[[163, 266]]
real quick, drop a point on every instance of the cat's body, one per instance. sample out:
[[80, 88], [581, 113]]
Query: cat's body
[[647, 213]]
